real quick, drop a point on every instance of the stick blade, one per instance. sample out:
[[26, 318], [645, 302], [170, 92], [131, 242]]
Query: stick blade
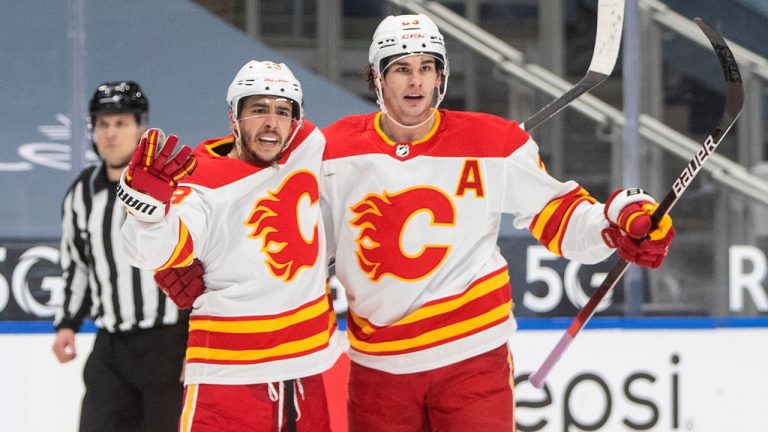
[[734, 91], [610, 22]]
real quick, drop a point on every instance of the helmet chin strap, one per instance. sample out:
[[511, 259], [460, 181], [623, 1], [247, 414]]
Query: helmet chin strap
[[238, 140], [383, 107], [296, 129]]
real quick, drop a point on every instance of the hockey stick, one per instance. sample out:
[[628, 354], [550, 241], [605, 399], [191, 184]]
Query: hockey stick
[[610, 20], [734, 99]]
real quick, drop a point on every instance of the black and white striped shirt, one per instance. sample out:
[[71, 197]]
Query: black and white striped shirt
[[99, 282]]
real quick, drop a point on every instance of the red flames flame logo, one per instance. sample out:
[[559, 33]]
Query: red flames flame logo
[[275, 220], [382, 220]]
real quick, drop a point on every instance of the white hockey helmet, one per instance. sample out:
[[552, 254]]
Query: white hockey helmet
[[406, 35], [264, 78]]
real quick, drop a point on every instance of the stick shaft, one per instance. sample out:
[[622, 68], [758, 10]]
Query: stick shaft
[[585, 314]]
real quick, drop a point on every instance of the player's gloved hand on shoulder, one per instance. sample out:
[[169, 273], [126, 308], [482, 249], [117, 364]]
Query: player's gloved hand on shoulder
[[154, 171], [183, 285], [629, 215]]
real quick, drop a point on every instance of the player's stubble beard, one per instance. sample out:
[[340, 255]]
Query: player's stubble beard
[[243, 148]]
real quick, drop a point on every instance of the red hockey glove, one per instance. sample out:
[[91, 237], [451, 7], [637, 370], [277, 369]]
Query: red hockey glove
[[183, 285], [629, 213], [154, 169], [152, 175]]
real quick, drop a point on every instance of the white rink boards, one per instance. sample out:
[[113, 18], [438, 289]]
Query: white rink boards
[[698, 379], [661, 380]]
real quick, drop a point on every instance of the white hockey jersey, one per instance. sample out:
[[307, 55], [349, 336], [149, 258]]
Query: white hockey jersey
[[266, 315], [414, 226]]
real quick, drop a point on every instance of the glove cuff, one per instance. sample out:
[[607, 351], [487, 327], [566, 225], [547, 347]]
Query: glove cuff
[[622, 198], [139, 205]]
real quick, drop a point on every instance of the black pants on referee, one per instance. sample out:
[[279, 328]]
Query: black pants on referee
[[132, 381]]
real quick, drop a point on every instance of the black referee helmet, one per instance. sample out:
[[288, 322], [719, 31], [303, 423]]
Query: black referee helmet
[[118, 97]]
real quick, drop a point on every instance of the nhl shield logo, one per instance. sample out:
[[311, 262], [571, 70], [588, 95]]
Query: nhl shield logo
[[402, 150]]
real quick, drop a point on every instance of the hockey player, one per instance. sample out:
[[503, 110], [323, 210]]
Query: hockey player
[[264, 329], [413, 196]]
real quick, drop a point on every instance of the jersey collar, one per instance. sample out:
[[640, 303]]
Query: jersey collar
[[430, 134]]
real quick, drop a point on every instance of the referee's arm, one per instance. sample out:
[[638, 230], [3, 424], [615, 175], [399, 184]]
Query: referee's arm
[[76, 302]]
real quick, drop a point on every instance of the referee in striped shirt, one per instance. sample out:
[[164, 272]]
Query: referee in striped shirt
[[132, 376]]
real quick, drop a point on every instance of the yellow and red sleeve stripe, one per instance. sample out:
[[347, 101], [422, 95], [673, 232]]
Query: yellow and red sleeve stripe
[[259, 339], [484, 304], [549, 226], [183, 253]]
